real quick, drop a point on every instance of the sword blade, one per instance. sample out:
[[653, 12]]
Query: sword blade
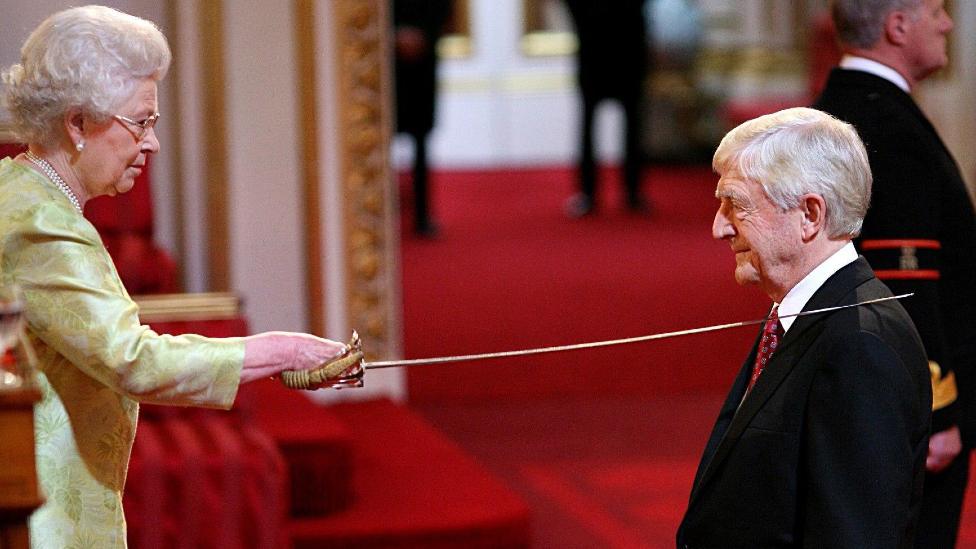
[[607, 343]]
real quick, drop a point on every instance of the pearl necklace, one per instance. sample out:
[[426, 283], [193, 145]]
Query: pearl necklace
[[48, 170]]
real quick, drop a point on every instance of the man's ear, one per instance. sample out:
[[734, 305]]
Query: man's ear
[[814, 210], [896, 27]]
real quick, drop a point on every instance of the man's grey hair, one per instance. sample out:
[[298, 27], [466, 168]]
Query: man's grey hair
[[859, 22], [91, 58], [801, 151]]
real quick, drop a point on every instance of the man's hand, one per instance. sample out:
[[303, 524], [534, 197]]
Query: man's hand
[[410, 44], [944, 446]]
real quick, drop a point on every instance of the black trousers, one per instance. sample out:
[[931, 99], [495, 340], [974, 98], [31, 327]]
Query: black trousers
[[421, 191], [633, 159]]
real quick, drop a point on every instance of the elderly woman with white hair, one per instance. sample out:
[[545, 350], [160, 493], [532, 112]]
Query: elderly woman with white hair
[[84, 99]]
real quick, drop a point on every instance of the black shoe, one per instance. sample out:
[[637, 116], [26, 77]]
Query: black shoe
[[428, 230], [579, 205], [638, 204]]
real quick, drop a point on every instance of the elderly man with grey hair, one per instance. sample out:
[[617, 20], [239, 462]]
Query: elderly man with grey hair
[[821, 441], [920, 233]]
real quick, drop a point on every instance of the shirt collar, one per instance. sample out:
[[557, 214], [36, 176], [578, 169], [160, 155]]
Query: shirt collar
[[797, 298], [864, 64]]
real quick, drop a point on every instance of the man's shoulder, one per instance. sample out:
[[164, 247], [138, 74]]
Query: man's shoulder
[[878, 332], [856, 284], [848, 81], [885, 320], [860, 97], [885, 122]]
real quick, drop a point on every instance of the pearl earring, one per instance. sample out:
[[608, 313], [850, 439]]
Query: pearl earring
[[80, 146]]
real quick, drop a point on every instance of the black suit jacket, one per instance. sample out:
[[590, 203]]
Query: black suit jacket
[[828, 450], [917, 193], [416, 79], [612, 47]]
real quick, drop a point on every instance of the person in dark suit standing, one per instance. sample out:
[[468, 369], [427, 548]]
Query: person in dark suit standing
[[418, 25], [822, 439], [920, 232], [612, 62]]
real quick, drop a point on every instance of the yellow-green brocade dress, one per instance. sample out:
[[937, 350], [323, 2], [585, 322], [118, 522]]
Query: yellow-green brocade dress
[[96, 362]]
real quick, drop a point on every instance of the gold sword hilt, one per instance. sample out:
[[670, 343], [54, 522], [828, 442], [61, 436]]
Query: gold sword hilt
[[340, 372]]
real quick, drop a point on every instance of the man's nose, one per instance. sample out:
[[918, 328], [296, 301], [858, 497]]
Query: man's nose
[[721, 226]]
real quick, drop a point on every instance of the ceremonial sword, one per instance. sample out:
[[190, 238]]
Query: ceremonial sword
[[349, 368]]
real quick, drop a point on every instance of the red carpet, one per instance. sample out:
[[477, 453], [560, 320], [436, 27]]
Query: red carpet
[[510, 271], [611, 472], [597, 472], [414, 489]]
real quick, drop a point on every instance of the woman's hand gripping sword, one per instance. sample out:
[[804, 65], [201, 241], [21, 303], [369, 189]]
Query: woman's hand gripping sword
[[345, 370]]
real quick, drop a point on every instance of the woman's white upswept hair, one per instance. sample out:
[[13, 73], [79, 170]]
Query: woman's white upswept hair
[[799, 151], [91, 58]]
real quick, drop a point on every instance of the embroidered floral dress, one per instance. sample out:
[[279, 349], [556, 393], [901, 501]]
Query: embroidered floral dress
[[96, 362]]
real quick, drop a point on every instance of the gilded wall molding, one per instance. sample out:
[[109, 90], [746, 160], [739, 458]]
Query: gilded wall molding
[[363, 128], [211, 29], [308, 127], [175, 108]]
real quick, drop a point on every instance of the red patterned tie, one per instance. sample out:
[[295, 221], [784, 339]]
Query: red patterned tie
[[772, 332]]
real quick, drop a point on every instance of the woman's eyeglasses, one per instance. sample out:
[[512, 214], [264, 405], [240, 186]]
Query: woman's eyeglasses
[[140, 127]]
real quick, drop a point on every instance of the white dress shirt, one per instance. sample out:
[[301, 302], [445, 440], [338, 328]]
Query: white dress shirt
[[864, 64], [797, 298]]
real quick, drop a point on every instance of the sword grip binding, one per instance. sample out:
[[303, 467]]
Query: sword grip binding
[[345, 370]]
